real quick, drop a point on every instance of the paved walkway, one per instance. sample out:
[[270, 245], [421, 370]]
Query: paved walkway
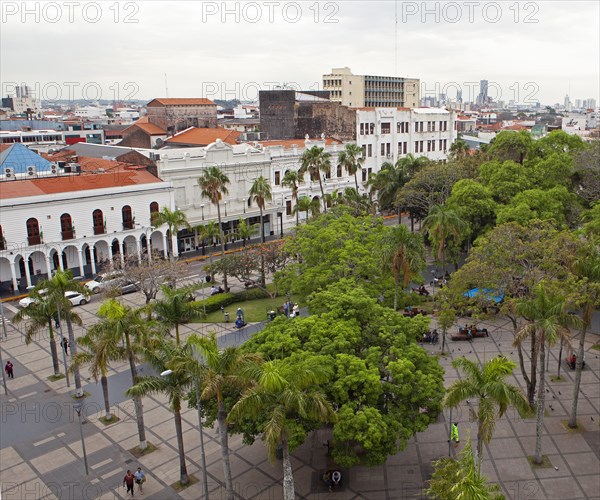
[[42, 458]]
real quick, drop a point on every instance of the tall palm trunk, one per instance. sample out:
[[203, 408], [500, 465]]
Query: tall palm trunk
[[262, 240], [53, 350], [539, 426], [104, 384], [177, 334], [560, 356], [221, 418], [73, 346], [288, 478], [222, 246], [578, 369], [356, 181], [137, 401], [396, 279], [322, 194], [479, 445], [183, 474], [297, 211]]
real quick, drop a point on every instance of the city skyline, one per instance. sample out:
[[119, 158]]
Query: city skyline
[[231, 50]]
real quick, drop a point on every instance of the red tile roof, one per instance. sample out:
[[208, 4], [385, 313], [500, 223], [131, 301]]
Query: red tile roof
[[182, 101], [77, 182], [146, 126], [204, 136]]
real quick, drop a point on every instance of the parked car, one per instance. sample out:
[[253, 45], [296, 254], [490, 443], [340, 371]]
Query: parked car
[[76, 298], [111, 281]]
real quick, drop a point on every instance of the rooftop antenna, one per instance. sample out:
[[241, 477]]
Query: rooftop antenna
[[166, 87]]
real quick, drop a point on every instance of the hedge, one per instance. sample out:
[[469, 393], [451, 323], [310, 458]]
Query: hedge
[[215, 302]]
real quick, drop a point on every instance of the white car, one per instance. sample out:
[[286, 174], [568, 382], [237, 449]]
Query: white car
[[76, 298], [111, 281]]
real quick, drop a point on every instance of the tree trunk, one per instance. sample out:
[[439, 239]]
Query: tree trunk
[[262, 240], [222, 246], [578, 368], [539, 426], [479, 446], [297, 211], [183, 474], [322, 194], [53, 350], [177, 334], [221, 417], [443, 339], [560, 356], [396, 293], [73, 346], [356, 181], [288, 478], [137, 401], [104, 384]]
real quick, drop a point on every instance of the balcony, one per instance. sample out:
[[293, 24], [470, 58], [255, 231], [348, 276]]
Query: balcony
[[34, 240], [99, 230], [68, 235], [127, 224]]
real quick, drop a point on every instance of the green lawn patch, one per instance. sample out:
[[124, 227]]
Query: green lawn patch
[[556, 378], [137, 453], [596, 346], [54, 378], [177, 486], [254, 310], [107, 421], [546, 464]]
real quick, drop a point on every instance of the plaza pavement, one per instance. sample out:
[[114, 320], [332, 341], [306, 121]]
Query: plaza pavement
[[44, 459]]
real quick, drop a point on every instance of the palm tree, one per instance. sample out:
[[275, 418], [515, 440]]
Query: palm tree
[[495, 395], [245, 231], [54, 289], [291, 179], [221, 370], [443, 223], [548, 321], [587, 267], [403, 251], [41, 314], [314, 161], [459, 149], [177, 307], [101, 347], [457, 479], [351, 158], [261, 193], [174, 219], [213, 185], [174, 385], [306, 204], [285, 392], [211, 232], [126, 325]]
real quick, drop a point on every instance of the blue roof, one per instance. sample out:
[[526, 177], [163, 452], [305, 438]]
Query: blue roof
[[488, 293], [19, 157]]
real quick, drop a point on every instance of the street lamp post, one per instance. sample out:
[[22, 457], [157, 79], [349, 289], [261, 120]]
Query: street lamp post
[[202, 207], [78, 407], [3, 374], [166, 373], [225, 205]]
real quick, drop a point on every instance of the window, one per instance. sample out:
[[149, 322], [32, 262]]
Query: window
[[364, 175], [405, 145], [33, 232], [416, 126], [371, 128], [66, 227], [385, 128], [288, 207], [362, 129], [277, 178], [98, 219], [441, 144], [127, 217], [370, 150], [153, 212], [382, 149], [388, 149], [339, 170], [2, 244], [364, 150], [416, 146]]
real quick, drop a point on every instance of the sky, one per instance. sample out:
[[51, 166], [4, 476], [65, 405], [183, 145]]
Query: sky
[[528, 51]]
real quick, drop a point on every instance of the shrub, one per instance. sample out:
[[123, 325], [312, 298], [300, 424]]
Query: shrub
[[215, 302], [251, 294]]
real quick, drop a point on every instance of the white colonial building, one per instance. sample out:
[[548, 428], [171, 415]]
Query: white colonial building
[[388, 134], [79, 220]]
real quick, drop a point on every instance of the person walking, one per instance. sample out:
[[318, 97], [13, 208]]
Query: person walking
[[9, 369], [454, 434], [65, 345], [140, 479], [128, 481]]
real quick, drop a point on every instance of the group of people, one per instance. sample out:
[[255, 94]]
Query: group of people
[[431, 337], [333, 479], [290, 309], [215, 290], [421, 291], [138, 477], [469, 330]]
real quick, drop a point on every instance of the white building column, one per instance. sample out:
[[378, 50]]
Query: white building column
[[175, 246], [60, 259], [13, 275], [27, 275], [138, 247], [48, 265], [81, 270], [166, 243], [92, 259]]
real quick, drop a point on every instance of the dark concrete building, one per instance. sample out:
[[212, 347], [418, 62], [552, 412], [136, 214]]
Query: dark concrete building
[[289, 114]]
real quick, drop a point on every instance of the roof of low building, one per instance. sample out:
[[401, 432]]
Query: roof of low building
[[146, 126], [182, 101], [289, 143], [19, 158], [204, 136]]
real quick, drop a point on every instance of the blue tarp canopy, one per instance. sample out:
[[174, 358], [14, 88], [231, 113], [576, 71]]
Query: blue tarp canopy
[[488, 293]]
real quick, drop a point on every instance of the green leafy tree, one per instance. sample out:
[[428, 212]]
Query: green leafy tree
[[459, 149], [351, 159], [586, 175], [486, 383], [210, 232], [284, 392], [177, 307], [261, 193], [404, 253], [305, 204], [54, 291], [458, 479], [443, 223], [473, 203], [245, 231], [213, 185], [222, 370], [291, 179], [547, 322], [510, 145], [316, 161], [505, 179], [39, 315], [174, 219], [174, 385]]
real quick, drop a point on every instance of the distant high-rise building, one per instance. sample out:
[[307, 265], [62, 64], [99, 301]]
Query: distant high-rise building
[[459, 95], [566, 103], [577, 103], [591, 103], [482, 98], [358, 91]]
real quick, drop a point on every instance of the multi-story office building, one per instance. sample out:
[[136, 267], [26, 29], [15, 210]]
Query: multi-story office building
[[388, 134], [358, 91]]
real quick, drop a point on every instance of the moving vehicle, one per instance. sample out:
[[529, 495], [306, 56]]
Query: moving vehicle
[[76, 298], [111, 281]]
